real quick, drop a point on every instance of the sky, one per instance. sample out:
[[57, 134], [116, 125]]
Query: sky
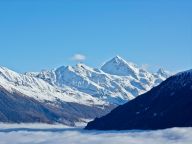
[[45, 34]]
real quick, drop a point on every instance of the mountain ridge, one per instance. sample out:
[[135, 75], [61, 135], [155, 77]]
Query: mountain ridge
[[165, 106], [80, 84]]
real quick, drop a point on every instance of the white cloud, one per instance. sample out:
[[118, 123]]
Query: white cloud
[[45, 135], [78, 57]]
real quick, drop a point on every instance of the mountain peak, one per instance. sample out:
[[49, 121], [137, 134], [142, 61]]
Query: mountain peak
[[163, 73], [117, 59], [82, 65], [119, 66], [161, 70]]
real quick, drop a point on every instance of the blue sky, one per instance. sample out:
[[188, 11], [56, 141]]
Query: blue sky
[[44, 34]]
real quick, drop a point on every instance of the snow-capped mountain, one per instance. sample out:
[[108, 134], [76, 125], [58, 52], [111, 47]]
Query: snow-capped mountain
[[114, 84], [25, 98], [163, 73], [167, 105], [41, 90], [118, 66]]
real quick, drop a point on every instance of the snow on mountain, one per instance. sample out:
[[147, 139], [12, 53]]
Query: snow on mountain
[[71, 94], [116, 82], [165, 106], [163, 73], [41, 90], [118, 66]]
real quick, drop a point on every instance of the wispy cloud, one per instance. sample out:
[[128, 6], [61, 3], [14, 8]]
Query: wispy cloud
[[78, 57]]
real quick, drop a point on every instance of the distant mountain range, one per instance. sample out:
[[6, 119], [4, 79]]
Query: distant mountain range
[[72, 94], [165, 106]]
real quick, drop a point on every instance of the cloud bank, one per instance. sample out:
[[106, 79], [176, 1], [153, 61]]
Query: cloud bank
[[79, 136]]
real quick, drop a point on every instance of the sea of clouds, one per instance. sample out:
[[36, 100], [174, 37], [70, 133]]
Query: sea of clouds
[[58, 134]]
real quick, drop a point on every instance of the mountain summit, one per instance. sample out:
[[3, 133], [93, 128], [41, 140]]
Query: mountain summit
[[118, 66], [163, 73]]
